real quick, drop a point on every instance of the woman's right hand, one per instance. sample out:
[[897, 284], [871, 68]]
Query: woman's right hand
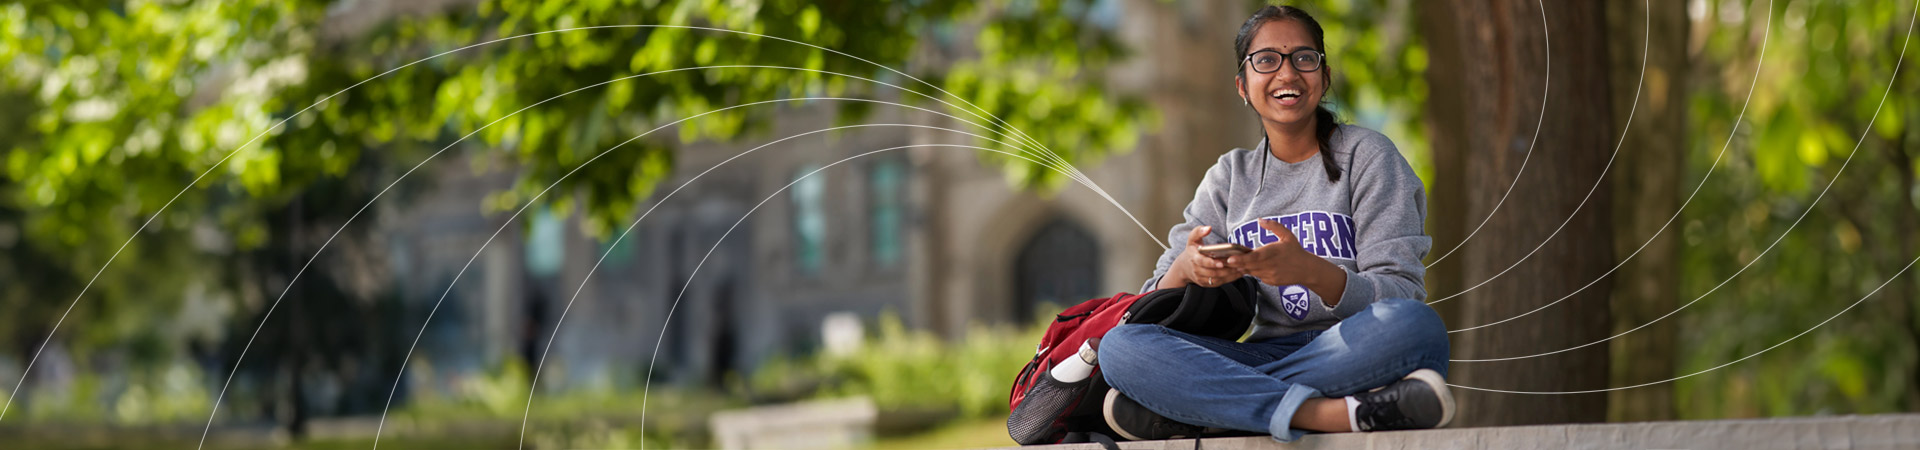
[[1196, 268]]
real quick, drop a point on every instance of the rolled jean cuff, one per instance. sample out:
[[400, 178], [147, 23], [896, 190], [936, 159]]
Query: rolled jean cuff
[[1281, 425]]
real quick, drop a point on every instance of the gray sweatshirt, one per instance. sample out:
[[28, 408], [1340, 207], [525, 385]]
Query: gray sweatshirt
[[1371, 223]]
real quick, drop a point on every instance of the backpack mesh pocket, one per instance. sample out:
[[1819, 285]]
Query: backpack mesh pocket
[[1038, 419]]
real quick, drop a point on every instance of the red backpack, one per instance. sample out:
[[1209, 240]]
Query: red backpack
[[1047, 411]]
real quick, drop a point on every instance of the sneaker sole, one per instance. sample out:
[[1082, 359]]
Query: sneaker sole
[[1439, 385], [1106, 413]]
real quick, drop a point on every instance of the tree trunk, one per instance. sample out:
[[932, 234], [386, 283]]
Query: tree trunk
[[1487, 79], [297, 324], [1445, 222], [1906, 217], [1646, 179]]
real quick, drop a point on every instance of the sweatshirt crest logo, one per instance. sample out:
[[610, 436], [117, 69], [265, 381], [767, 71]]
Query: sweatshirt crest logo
[[1326, 234], [1294, 300]]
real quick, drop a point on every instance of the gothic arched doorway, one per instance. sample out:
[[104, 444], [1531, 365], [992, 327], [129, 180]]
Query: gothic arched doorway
[[1059, 265]]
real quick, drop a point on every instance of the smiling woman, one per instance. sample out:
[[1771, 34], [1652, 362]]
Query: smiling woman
[[1335, 218]]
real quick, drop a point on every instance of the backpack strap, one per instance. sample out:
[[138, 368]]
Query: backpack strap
[[1241, 296]]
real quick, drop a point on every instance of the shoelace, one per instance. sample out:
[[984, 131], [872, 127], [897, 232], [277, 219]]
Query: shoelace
[[1382, 409]]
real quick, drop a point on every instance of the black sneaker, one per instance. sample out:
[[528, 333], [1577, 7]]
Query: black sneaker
[[1417, 402], [1135, 422]]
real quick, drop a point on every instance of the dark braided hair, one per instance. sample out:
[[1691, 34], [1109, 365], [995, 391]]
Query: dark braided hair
[[1324, 120]]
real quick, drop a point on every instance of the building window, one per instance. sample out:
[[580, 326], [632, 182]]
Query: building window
[[618, 254], [546, 244], [1106, 14], [886, 181], [809, 221]]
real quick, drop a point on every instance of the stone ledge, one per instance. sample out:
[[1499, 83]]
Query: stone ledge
[[1836, 432]]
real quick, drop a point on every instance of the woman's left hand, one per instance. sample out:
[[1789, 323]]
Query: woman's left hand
[[1281, 262]]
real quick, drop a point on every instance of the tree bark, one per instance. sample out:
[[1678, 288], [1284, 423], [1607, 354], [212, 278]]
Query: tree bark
[[1900, 294], [1445, 222], [297, 360], [1489, 71], [1647, 179]]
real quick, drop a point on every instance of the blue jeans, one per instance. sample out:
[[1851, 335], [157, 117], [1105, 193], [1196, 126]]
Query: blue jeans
[[1257, 386]]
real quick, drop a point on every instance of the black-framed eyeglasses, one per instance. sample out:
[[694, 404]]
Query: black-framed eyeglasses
[[1269, 61]]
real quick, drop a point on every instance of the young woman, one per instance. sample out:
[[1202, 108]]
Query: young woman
[[1333, 215]]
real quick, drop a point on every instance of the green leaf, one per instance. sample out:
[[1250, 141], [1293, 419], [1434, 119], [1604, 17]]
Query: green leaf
[[809, 21]]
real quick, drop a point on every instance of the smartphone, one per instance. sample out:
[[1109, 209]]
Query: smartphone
[[1218, 251]]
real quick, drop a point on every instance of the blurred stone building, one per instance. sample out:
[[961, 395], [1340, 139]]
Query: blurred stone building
[[928, 233]]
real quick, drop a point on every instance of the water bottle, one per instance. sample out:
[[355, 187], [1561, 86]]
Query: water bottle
[[1072, 370]]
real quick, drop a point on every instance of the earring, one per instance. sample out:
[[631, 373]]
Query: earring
[[1244, 101]]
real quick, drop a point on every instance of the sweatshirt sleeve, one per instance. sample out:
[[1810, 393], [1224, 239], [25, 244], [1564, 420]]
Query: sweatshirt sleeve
[[1390, 212], [1209, 207]]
